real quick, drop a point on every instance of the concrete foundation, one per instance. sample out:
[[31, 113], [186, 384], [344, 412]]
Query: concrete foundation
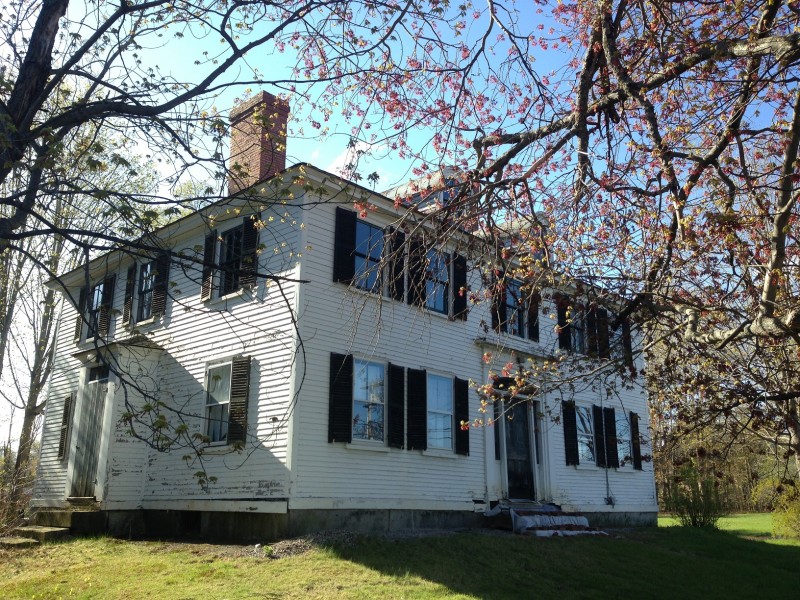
[[268, 527], [622, 519]]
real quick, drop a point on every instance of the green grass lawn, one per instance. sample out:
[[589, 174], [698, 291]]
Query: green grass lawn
[[741, 561]]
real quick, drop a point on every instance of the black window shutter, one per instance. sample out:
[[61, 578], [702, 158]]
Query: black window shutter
[[591, 332], [533, 318], [209, 257], [79, 320], [130, 288], [249, 269], [396, 406], [564, 329], [499, 313], [66, 419], [340, 410], [460, 287], [160, 284], [416, 272], [497, 415], [636, 445], [395, 247], [610, 431], [344, 244], [105, 305], [417, 394], [627, 346], [603, 349], [599, 436], [240, 391], [570, 432], [461, 397]]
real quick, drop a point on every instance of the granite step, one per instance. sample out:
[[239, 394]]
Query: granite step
[[11, 542], [41, 533]]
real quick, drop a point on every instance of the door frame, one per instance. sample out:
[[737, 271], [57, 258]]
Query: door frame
[[537, 446]]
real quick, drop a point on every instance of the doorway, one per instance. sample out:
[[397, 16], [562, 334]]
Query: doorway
[[88, 432], [519, 451]]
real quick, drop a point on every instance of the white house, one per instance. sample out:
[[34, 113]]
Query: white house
[[320, 384]]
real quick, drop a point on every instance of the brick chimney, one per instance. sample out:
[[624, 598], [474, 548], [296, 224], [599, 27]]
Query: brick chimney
[[258, 141]]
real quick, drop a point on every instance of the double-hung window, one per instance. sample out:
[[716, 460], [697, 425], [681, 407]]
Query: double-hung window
[[227, 392], [368, 401], [571, 326], [624, 453], [230, 259], [234, 254], [94, 309], [601, 435], [383, 261], [95, 306], [515, 315], [218, 397], [147, 280], [437, 282], [586, 449], [440, 412], [513, 312], [367, 257], [146, 297]]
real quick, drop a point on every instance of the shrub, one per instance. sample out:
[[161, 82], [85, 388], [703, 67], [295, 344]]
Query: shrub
[[694, 498], [786, 517]]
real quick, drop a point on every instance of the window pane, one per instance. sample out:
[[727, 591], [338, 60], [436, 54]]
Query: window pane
[[584, 417], [578, 340], [514, 313], [217, 423], [440, 393], [219, 384], [436, 282], [440, 431], [369, 240], [231, 259], [366, 274], [586, 449], [623, 439], [146, 281]]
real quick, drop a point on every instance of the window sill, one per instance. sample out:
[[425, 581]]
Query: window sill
[[237, 295], [440, 453], [148, 321], [368, 446], [218, 449], [131, 330], [513, 342], [583, 467]]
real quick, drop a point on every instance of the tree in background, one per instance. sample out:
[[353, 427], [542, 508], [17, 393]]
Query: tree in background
[[30, 310]]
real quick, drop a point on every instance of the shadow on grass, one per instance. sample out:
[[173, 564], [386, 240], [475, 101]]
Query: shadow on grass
[[672, 562]]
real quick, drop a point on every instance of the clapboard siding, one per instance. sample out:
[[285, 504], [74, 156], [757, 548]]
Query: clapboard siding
[[340, 320], [190, 334], [51, 480]]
